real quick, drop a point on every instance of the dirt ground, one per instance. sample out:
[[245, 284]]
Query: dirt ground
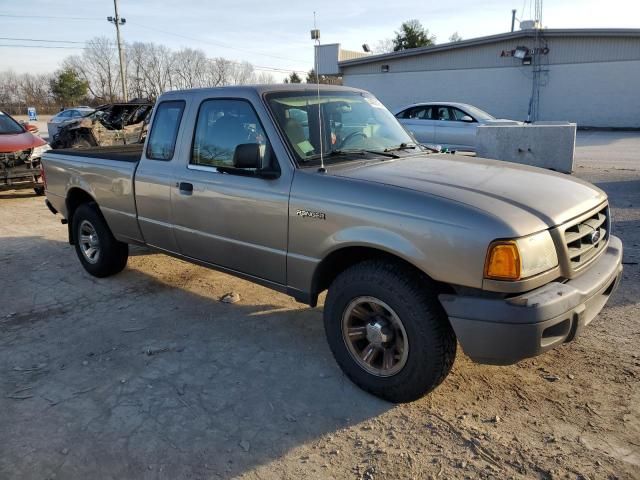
[[147, 375]]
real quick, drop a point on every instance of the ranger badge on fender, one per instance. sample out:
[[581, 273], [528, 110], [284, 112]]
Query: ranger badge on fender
[[307, 213]]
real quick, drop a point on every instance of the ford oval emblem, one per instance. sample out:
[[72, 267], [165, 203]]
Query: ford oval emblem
[[595, 236]]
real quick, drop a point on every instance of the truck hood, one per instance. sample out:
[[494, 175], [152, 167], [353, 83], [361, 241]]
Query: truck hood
[[10, 143], [528, 199]]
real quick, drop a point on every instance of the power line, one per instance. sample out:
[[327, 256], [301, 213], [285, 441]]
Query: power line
[[41, 46], [218, 43], [40, 40], [49, 17], [212, 42]]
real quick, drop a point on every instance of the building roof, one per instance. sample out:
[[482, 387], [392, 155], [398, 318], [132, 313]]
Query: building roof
[[547, 33]]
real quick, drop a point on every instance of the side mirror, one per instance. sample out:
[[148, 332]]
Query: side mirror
[[247, 162], [466, 118], [247, 155], [29, 127]]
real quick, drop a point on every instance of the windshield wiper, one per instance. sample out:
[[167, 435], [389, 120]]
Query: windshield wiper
[[362, 151], [402, 146]]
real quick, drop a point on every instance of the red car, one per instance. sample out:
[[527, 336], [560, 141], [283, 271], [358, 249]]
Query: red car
[[20, 154]]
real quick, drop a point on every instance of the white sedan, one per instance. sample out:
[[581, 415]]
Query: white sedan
[[449, 125]]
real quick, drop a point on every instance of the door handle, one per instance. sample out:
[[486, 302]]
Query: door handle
[[185, 188]]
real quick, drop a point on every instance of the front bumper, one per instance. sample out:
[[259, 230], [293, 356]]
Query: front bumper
[[504, 331]]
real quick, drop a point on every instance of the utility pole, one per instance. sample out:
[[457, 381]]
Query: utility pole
[[513, 19], [117, 21]]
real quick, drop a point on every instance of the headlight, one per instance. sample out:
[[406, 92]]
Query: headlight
[[520, 258], [38, 151]]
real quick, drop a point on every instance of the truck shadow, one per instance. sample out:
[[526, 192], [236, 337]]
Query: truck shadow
[[147, 375], [148, 372]]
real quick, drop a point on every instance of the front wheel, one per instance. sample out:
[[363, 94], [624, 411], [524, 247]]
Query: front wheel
[[387, 331], [99, 252]]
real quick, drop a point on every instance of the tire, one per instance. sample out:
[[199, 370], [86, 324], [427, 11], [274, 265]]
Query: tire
[[81, 143], [423, 330], [91, 231]]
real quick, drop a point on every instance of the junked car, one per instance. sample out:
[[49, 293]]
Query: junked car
[[65, 116], [112, 124], [448, 124], [20, 154], [306, 192]]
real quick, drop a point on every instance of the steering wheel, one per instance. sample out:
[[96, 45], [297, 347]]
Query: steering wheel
[[351, 136]]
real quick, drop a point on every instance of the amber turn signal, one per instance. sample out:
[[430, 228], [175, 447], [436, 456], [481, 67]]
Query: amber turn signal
[[503, 261]]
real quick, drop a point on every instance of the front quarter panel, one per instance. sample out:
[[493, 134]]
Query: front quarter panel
[[444, 239]]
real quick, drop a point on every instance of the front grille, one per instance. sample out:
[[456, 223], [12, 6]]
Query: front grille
[[9, 160], [587, 238]]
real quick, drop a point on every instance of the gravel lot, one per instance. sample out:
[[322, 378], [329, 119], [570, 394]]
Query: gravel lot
[[148, 375]]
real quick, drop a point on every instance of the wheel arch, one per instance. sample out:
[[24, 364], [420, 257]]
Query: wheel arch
[[76, 196], [340, 259]]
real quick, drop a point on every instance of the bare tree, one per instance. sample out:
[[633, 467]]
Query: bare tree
[[384, 46], [136, 81], [265, 78], [158, 69], [242, 73], [34, 89], [98, 65], [190, 68], [9, 91], [151, 70], [19, 91], [220, 72]]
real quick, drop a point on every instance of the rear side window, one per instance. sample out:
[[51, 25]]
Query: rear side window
[[164, 131], [421, 113]]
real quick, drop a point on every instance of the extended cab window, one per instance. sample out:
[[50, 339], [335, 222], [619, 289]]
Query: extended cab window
[[222, 126], [164, 131]]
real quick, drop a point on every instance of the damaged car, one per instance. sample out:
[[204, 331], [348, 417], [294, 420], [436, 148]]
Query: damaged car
[[112, 124], [20, 154]]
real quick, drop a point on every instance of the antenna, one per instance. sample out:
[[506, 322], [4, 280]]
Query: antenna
[[315, 35]]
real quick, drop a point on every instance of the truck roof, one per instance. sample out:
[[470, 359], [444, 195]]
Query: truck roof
[[242, 90]]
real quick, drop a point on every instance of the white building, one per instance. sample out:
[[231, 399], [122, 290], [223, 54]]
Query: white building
[[588, 76]]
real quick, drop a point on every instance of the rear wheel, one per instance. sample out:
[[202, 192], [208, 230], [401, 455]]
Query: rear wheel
[[387, 331], [99, 252]]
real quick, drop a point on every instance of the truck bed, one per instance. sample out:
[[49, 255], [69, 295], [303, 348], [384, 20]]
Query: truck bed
[[121, 153], [106, 174]]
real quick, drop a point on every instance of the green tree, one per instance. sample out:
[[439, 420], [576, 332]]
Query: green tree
[[311, 78], [455, 37], [293, 78], [68, 88], [412, 35]]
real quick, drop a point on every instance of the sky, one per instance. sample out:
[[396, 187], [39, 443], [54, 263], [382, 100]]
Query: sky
[[271, 34]]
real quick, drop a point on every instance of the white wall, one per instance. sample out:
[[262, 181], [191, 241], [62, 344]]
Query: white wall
[[605, 94]]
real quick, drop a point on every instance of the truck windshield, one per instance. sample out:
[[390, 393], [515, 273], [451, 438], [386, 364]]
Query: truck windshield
[[353, 123], [8, 125]]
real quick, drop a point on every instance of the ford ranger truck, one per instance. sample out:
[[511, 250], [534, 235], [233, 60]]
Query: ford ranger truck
[[305, 191]]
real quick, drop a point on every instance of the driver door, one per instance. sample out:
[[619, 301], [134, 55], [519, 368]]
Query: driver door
[[233, 221]]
